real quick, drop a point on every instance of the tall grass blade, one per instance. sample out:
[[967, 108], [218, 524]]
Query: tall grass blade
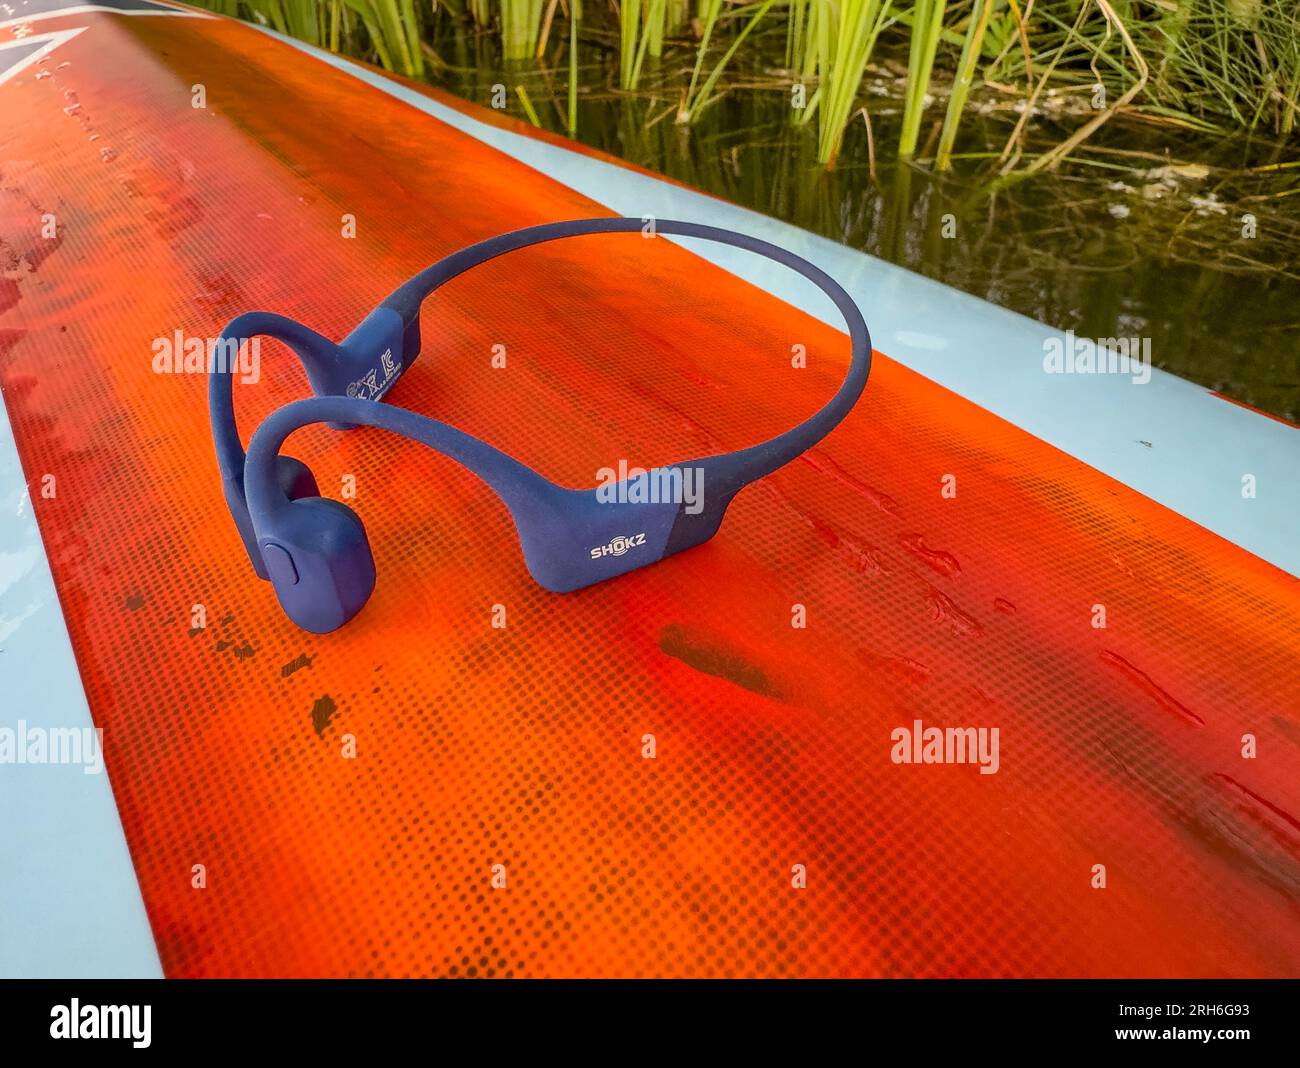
[[695, 103], [970, 53], [927, 25], [856, 30]]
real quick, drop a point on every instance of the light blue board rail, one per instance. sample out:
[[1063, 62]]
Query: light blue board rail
[[70, 904]]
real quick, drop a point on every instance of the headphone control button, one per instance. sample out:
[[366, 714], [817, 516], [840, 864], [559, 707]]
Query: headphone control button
[[279, 564]]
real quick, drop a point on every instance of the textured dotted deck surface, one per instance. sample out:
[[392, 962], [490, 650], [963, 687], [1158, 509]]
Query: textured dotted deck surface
[[522, 746]]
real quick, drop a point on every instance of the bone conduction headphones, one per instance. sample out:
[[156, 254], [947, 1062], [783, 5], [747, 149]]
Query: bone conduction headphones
[[314, 551]]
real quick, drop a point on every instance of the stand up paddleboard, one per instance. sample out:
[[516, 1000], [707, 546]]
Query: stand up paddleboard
[[724, 764]]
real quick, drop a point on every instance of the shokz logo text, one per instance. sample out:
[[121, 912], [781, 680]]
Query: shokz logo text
[[663, 485], [181, 355], [1072, 355], [618, 546], [946, 745], [76, 1020], [377, 379], [53, 745]]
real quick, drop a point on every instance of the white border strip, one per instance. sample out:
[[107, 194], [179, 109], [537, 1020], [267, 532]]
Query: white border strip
[[48, 41], [69, 899], [86, 9]]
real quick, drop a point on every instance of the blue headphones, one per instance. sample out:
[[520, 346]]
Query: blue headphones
[[314, 551]]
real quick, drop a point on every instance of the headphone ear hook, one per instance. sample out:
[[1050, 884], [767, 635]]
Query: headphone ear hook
[[365, 365]]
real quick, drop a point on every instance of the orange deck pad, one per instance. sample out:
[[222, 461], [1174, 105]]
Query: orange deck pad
[[522, 746]]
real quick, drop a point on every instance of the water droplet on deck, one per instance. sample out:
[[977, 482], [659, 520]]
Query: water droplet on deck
[[819, 461], [866, 559], [1273, 816], [1149, 686], [899, 667], [943, 610], [935, 559]]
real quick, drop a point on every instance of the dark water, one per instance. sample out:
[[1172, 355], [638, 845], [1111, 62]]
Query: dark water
[[1114, 247]]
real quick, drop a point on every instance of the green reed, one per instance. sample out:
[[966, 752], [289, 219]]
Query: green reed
[[1199, 64]]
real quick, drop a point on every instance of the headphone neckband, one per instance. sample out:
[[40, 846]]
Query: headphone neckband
[[560, 529]]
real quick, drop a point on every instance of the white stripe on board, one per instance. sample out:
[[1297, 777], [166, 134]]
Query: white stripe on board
[[39, 15], [68, 891]]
